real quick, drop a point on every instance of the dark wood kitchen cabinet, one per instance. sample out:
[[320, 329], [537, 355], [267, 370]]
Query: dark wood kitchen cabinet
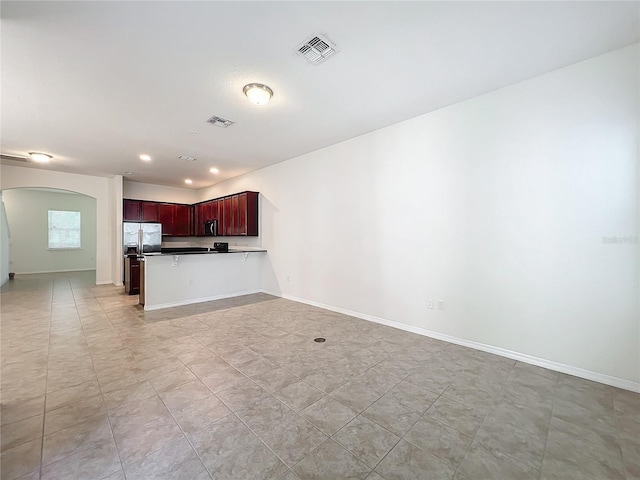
[[165, 217], [198, 219], [131, 210], [237, 215], [132, 275], [227, 218], [182, 220], [206, 212], [139, 211], [246, 215], [148, 211], [175, 219]]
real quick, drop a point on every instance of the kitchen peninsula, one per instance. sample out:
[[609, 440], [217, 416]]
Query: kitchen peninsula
[[172, 279]]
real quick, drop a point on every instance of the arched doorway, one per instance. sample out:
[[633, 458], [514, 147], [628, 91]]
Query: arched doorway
[[47, 230]]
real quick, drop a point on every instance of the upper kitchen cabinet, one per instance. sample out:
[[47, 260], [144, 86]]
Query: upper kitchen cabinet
[[227, 217], [139, 211], [246, 214], [165, 217], [131, 210], [148, 211], [182, 220], [204, 212], [175, 219], [237, 215]]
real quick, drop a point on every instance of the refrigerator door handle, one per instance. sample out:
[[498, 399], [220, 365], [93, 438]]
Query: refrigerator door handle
[[140, 242]]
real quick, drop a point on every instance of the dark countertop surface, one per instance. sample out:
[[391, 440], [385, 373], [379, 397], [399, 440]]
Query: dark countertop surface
[[201, 251]]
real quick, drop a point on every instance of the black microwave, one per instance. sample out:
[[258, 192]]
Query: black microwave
[[211, 228]]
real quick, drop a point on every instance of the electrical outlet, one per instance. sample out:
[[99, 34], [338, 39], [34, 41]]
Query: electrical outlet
[[440, 304], [191, 281], [288, 278], [430, 304]]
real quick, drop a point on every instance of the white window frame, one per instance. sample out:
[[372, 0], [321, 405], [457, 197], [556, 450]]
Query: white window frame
[[51, 225]]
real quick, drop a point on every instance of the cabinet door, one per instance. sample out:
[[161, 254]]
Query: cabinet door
[[198, 220], [165, 216], [182, 220], [208, 211], [131, 210], [149, 211], [235, 211], [227, 217], [213, 214], [217, 212], [252, 214], [247, 214], [214, 210], [135, 277]]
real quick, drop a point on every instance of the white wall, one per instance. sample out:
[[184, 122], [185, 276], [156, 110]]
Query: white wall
[[108, 247], [497, 205], [159, 193], [27, 214], [184, 279], [4, 244]]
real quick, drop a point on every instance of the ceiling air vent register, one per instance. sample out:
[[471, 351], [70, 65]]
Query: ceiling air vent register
[[13, 158], [317, 49], [220, 122]]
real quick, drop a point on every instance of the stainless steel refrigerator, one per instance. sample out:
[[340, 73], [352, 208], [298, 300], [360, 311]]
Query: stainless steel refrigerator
[[141, 237]]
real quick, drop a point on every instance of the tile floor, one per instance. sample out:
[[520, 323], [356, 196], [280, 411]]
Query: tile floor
[[94, 388]]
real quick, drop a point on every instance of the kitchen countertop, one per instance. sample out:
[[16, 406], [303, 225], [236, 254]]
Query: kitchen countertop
[[234, 249]]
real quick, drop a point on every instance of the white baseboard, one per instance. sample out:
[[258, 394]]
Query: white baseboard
[[521, 357], [56, 271], [159, 306]]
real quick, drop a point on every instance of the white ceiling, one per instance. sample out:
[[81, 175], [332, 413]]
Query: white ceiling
[[97, 83]]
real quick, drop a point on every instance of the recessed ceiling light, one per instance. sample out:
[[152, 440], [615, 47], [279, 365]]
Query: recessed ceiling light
[[128, 173], [188, 181], [214, 170], [40, 157], [257, 93], [145, 158]]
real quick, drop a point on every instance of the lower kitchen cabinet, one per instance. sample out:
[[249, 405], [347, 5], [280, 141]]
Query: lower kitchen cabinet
[[132, 275]]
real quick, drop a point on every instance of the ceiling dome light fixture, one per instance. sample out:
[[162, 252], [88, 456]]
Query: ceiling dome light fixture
[[214, 170], [145, 158], [188, 181], [40, 157], [257, 93]]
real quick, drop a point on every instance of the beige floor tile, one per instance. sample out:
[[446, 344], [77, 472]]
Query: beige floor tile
[[103, 361], [97, 461], [21, 460], [19, 409], [14, 434], [72, 413], [81, 436]]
